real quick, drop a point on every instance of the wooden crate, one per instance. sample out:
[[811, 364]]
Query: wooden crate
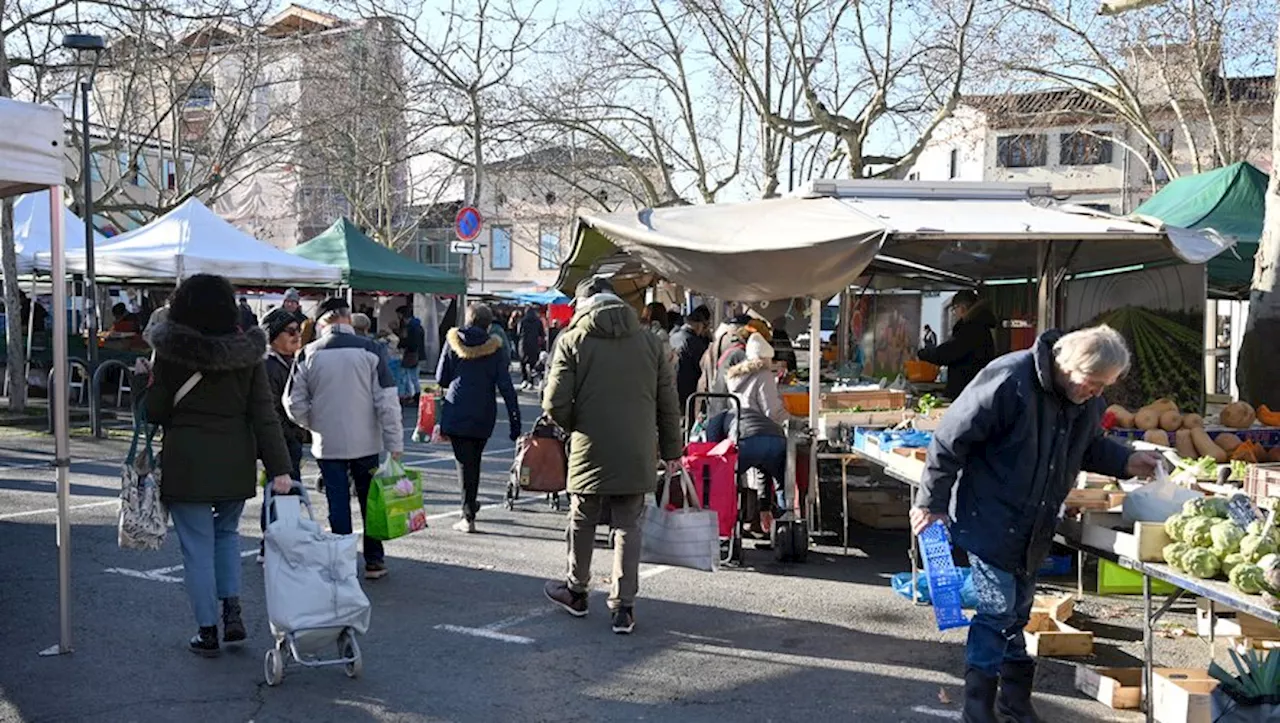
[[1226, 623], [1118, 688], [1100, 500], [1262, 481], [1136, 540], [868, 400], [1049, 638], [1052, 607], [894, 516], [918, 453], [1180, 695], [876, 496], [909, 467]]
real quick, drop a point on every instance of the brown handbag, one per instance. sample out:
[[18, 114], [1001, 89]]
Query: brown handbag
[[541, 463]]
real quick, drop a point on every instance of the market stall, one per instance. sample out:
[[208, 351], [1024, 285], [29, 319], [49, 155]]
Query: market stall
[[32, 234], [366, 265]]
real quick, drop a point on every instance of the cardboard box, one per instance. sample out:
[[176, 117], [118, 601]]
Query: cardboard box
[[1142, 541], [1118, 688], [1180, 695], [1049, 638]]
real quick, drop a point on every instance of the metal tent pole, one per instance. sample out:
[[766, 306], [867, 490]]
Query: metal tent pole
[[62, 442]]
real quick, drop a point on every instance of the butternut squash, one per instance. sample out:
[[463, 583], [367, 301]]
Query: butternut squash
[[1267, 417], [1163, 404], [1146, 419], [1156, 436], [1182, 442], [1192, 420], [1205, 446], [1171, 421], [1274, 454], [1228, 442]]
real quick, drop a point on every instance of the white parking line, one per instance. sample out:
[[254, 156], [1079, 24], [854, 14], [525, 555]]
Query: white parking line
[[52, 510], [484, 633], [937, 712], [161, 574]]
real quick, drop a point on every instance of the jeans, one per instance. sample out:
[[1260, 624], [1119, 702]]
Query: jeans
[[210, 539], [769, 454], [1004, 607], [624, 519], [337, 489], [295, 471], [469, 452]]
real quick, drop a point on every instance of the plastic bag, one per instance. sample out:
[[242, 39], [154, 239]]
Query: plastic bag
[[1156, 501], [395, 506]]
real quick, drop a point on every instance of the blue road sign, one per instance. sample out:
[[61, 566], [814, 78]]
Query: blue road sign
[[467, 224]]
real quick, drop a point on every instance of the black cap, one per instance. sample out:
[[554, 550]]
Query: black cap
[[966, 296], [335, 304], [588, 288]]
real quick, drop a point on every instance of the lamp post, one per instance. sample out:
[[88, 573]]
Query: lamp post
[[96, 44]]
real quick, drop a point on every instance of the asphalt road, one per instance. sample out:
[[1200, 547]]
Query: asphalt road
[[461, 632]]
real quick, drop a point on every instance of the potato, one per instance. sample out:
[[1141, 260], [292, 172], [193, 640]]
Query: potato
[[1238, 414], [1182, 442], [1124, 418], [1146, 418], [1163, 404], [1170, 421], [1228, 442], [1156, 436], [1206, 448], [1192, 420]]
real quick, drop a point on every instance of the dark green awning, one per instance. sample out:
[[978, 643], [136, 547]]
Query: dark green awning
[[369, 266]]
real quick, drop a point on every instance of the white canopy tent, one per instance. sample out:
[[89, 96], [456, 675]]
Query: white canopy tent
[[31, 159], [32, 232], [191, 239]]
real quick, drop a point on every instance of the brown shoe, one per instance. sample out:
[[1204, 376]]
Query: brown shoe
[[574, 603]]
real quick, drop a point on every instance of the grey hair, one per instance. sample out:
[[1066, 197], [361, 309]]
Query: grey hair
[[479, 315], [1091, 351]]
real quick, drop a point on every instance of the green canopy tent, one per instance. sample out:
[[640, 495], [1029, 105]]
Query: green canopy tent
[[369, 266], [1228, 200]]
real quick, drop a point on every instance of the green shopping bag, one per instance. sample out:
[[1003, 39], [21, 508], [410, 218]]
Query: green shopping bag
[[395, 505]]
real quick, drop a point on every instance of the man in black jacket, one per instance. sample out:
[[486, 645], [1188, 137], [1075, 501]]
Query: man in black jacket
[[284, 333], [690, 342], [1011, 447], [971, 346]]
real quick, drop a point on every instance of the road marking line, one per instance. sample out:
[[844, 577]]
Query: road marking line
[[488, 634], [51, 510], [937, 712], [646, 574], [161, 574], [495, 506]]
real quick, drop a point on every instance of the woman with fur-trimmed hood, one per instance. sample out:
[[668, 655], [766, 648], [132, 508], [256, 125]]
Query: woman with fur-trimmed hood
[[474, 362], [762, 442]]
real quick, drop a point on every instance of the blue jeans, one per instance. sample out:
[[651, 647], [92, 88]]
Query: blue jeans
[[337, 489], [295, 471], [1004, 607], [769, 454], [210, 539]]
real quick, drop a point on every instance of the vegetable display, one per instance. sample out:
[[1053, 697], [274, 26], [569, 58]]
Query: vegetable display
[[1207, 543]]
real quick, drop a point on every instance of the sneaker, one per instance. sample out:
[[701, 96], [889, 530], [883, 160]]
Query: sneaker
[[205, 642], [262, 551], [465, 525], [574, 603], [375, 570], [232, 626], [624, 621]]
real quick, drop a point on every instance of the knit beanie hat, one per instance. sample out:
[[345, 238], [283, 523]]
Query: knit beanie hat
[[276, 322], [759, 348]]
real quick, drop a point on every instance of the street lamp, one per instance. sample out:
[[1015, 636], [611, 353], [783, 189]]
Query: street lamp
[[81, 43], [810, 62]]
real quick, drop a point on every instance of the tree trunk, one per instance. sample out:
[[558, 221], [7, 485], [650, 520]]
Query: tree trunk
[[16, 358], [1260, 351]]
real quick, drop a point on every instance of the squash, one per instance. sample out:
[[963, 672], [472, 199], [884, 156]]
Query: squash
[[1249, 452], [1239, 415], [1192, 420], [1124, 418], [1182, 442], [1146, 418], [1267, 417], [1228, 442], [1205, 447], [1156, 436], [1274, 454], [1171, 421], [1163, 404]]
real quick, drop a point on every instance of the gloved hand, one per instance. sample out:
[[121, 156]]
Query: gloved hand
[[515, 432]]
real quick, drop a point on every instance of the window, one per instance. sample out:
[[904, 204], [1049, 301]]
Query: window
[[171, 175], [501, 198], [128, 171], [550, 197], [500, 247], [199, 95], [1159, 173], [548, 248], [95, 168], [1084, 149], [1023, 151], [913, 176], [602, 195], [953, 170]]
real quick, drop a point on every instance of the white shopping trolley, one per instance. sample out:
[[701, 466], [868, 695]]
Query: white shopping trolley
[[314, 599]]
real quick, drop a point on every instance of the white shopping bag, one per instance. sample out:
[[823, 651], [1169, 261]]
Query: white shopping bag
[[312, 576], [1157, 500], [685, 537]]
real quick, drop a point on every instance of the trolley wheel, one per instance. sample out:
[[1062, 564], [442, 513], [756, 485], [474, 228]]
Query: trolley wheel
[[510, 499], [735, 550], [555, 502], [417, 435], [349, 648], [273, 667]]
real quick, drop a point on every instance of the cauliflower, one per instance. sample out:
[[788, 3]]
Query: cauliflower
[[1205, 507], [1254, 547], [1198, 532], [1201, 563], [1247, 579], [1231, 561], [1216, 507], [1226, 537], [1172, 553], [1174, 525]]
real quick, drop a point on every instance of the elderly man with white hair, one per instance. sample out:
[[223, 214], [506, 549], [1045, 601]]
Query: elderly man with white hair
[[1010, 448]]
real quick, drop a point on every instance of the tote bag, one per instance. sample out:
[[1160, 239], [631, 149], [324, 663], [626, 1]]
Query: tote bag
[[143, 519], [687, 536]]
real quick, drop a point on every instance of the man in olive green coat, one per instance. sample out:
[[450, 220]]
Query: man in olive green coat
[[611, 389]]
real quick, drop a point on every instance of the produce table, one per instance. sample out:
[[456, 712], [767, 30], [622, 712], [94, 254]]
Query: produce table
[[1215, 591]]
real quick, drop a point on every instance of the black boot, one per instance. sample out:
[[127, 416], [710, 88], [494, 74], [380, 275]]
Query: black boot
[[232, 626], [205, 642], [979, 697], [1014, 703]]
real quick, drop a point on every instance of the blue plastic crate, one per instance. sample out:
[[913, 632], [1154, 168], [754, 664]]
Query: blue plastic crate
[[1057, 566]]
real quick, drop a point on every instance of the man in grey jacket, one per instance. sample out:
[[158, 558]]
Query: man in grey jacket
[[342, 390]]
